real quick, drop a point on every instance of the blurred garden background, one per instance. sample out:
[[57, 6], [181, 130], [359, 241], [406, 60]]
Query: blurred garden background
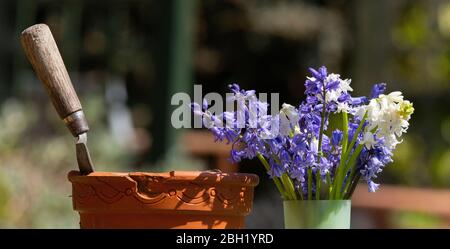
[[127, 58]]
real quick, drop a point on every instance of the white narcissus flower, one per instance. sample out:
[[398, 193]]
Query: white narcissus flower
[[373, 114], [360, 111], [333, 95], [345, 85], [389, 115], [332, 77], [290, 112], [391, 140], [368, 140], [288, 118], [395, 96], [342, 107]]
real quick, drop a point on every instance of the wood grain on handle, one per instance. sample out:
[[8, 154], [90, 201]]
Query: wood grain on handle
[[42, 52]]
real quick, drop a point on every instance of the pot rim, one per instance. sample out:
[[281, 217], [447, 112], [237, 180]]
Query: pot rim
[[197, 192], [211, 177], [317, 201]]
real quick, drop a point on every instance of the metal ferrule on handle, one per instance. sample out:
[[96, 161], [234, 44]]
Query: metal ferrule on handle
[[76, 123]]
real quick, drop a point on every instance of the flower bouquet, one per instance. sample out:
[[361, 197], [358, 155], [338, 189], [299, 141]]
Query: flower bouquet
[[315, 152]]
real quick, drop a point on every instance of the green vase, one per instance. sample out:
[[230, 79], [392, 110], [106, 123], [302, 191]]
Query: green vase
[[322, 214]]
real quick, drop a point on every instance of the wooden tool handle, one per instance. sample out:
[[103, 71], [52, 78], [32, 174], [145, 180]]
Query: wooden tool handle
[[42, 52]]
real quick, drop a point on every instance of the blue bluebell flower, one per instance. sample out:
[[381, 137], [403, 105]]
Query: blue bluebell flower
[[295, 150], [336, 137], [377, 89], [276, 170], [359, 100]]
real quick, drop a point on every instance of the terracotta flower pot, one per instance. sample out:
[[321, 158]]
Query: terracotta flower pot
[[177, 199]]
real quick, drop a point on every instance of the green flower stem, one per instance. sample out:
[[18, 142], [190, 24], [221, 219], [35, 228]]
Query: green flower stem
[[355, 136], [320, 139], [322, 124], [352, 161], [309, 184], [287, 182], [289, 186], [318, 185], [275, 179], [353, 186], [343, 151], [350, 166], [330, 186], [320, 153], [349, 183], [341, 170], [300, 192], [345, 131]]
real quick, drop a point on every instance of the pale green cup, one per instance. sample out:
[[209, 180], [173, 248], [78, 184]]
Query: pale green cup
[[322, 214]]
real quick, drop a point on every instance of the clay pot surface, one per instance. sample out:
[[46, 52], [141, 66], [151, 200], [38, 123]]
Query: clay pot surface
[[177, 199]]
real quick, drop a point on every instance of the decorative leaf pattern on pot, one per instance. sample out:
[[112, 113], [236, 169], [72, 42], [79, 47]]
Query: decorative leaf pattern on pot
[[86, 192], [193, 193], [149, 190], [214, 193], [109, 193]]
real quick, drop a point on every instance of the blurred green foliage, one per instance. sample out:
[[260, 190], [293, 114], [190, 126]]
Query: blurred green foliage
[[421, 58], [407, 220], [34, 191]]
